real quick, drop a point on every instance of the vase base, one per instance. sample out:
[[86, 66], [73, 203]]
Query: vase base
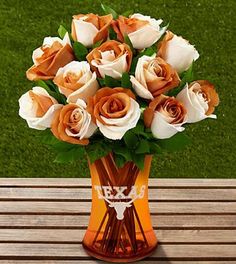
[[121, 259]]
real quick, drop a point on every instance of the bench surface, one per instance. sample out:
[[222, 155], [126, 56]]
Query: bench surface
[[44, 220]]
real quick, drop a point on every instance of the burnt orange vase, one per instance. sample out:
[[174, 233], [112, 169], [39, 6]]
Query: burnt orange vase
[[120, 228]]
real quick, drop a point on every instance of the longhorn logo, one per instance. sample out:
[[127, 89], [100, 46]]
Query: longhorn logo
[[111, 199]]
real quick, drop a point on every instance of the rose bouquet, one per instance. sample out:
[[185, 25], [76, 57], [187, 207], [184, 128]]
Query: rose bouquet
[[116, 90]]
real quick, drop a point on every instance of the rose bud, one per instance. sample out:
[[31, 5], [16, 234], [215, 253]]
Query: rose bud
[[153, 76], [115, 111], [200, 99], [165, 116], [38, 108], [177, 51], [112, 58], [73, 124], [53, 54], [89, 29], [143, 31], [75, 80]]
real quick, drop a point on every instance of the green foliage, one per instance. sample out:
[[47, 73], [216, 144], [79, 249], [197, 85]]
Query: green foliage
[[52, 89], [186, 77], [107, 10], [97, 44], [213, 152], [98, 149], [128, 13], [125, 81], [128, 42], [112, 34], [109, 81], [62, 31], [66, 152], [175, 143], [80, 51]]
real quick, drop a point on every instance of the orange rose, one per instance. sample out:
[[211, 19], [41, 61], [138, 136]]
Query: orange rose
[[53, 54], [115, 111], [165, 116], [89, 29], [73, 124], [153, 76], [143, 31], [200, 99], [112, 58]]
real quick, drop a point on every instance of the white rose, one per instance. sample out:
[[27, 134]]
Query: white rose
[[115, 111], [37, 107], [165, 117], [147, 35], [115, 128], [153, 76], [89, 29], [199, 98], [75, 80], [112, 58], [178, 52]]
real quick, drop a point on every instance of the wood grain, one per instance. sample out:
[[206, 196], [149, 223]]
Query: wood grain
[[70, 194], [44, 220]]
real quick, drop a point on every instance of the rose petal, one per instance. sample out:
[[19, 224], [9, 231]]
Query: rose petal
[[144, 37], [162, 129], [86, 91], [85, 32], [140, 89]]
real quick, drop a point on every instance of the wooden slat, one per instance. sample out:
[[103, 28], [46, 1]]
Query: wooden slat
[[68, 251], [155, 207], [81, 221], [102, 262], [57, 182], [85, 194], [76, 236]]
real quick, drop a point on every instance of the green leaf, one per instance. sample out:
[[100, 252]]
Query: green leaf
[[119, 160], [155, 148], [72, 155], [128, 42], [128, 13], [143, 147], [131, 140], [97, 150], [80, 51], [124, 152], [97, 44], [175, 143], [101, 82], [107, 10], [186, 77], [125, 81], [112, 34], [61, 31], [139, 160], [111, 82], [52, 89]]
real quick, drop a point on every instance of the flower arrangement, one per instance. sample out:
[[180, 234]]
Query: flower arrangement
[[121, 84], [117, 89]]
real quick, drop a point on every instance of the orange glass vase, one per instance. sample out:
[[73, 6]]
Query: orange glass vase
[[120, 228]]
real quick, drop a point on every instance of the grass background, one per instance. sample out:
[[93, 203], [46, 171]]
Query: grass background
[[209, 24]]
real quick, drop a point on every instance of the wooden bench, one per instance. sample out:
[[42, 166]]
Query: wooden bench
[[44, 220]]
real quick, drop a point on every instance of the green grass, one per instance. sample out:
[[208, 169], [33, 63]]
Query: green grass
[[209, 24]]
